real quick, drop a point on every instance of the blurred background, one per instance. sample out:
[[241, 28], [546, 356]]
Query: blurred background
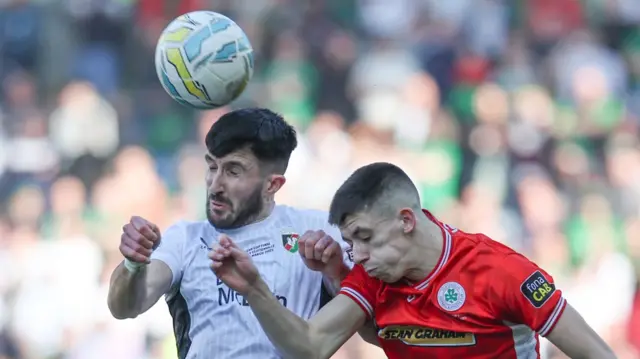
[[516, 118]]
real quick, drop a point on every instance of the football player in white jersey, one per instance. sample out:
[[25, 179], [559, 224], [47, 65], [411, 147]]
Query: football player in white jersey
[[247, 154]]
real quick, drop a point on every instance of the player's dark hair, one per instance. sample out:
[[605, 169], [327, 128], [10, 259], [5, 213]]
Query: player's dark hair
[[263, 131], [366, 187]]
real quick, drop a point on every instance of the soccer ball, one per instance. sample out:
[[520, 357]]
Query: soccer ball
[[204, 60]]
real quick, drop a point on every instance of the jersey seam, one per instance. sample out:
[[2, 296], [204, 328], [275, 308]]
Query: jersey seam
[[493, 309], [553, 318], [182, 250], [360, 299], [446, 254]]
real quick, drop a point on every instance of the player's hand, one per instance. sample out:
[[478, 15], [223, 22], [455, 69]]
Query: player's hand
[[321, 253], [138, 240], [233, 266]]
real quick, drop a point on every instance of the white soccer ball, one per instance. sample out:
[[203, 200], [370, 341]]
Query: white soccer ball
[[204, 60]]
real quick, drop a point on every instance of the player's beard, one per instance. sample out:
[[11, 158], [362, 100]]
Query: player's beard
[[245, 213]]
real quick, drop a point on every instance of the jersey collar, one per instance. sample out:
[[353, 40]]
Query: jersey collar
[[251, 226], [444, 256]]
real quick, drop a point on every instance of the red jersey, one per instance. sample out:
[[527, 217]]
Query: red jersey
[[482, 300]]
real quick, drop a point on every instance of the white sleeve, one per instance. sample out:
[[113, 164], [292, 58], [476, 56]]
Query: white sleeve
[[170, 250]]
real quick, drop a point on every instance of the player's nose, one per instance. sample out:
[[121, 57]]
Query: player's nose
[[217, 183], [360, 256]]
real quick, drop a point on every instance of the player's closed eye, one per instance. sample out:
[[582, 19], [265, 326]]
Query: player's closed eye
[[233, 171]]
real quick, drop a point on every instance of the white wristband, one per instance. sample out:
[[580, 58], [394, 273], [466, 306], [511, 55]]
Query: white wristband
[[133, 267]]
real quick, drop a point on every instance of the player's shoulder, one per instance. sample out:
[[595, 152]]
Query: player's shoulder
[[467, 248], [480, 244], [302, 212], [305, 216], [480, 254], [302, 220], [359, 277], [477, 251], [186, 229]]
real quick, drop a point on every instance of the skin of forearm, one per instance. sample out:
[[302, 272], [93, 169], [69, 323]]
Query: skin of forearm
[[127, 292], [288, 332], [334, 280]]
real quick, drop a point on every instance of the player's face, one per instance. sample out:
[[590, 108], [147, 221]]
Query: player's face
[[378, 244], [235, 195]]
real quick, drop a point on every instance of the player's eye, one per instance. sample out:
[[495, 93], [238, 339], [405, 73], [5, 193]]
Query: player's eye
[[234, 171]]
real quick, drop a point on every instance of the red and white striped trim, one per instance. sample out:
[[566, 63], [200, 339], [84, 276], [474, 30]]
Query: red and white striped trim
[[359, 299], [446, 252], [553, 318]]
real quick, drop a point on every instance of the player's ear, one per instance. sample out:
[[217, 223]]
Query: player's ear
[[408, 218], [274, 183]]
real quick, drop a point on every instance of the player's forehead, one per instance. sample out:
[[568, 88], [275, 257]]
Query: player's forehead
[[358, 224], [242, 156]]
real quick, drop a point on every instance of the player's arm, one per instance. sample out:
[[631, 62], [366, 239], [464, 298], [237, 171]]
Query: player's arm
[[319, 245], [528, 295], [577, 339], [133, 293], [369, 333], [133, 290], [333, 278], [319, 338]]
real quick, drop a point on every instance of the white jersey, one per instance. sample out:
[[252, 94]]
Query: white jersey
[[213, 321]]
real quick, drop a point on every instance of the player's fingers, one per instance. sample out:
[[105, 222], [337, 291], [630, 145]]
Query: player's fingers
[[302, 240], [148, 233], [155, 229], [133, 233], [226, 242], [134, 242], [237, 253], [311, 237], [305, 237], [308, 249], [219, 253], [138, 222], [147, 229], [219, 250], [132, 254], [320, 246], [215, 265], [307, 242], [332, 249], [135, 245], [217, 256], [302, 243]]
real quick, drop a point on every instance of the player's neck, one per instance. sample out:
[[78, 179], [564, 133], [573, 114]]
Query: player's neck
[[424, 257], [266, 212]]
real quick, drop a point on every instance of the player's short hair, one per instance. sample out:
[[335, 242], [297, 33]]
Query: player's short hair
[[267, 135], [375, 186]]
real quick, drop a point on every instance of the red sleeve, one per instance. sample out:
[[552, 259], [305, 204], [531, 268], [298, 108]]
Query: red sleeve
[[528, 295], [361, 289]]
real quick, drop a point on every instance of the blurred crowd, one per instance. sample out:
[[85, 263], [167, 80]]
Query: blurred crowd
[[519, 119]]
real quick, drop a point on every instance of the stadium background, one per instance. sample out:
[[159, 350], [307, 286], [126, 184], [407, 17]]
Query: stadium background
[[516, 118]]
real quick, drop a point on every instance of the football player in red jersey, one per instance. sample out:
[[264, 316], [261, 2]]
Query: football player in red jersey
[[433, 291]]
